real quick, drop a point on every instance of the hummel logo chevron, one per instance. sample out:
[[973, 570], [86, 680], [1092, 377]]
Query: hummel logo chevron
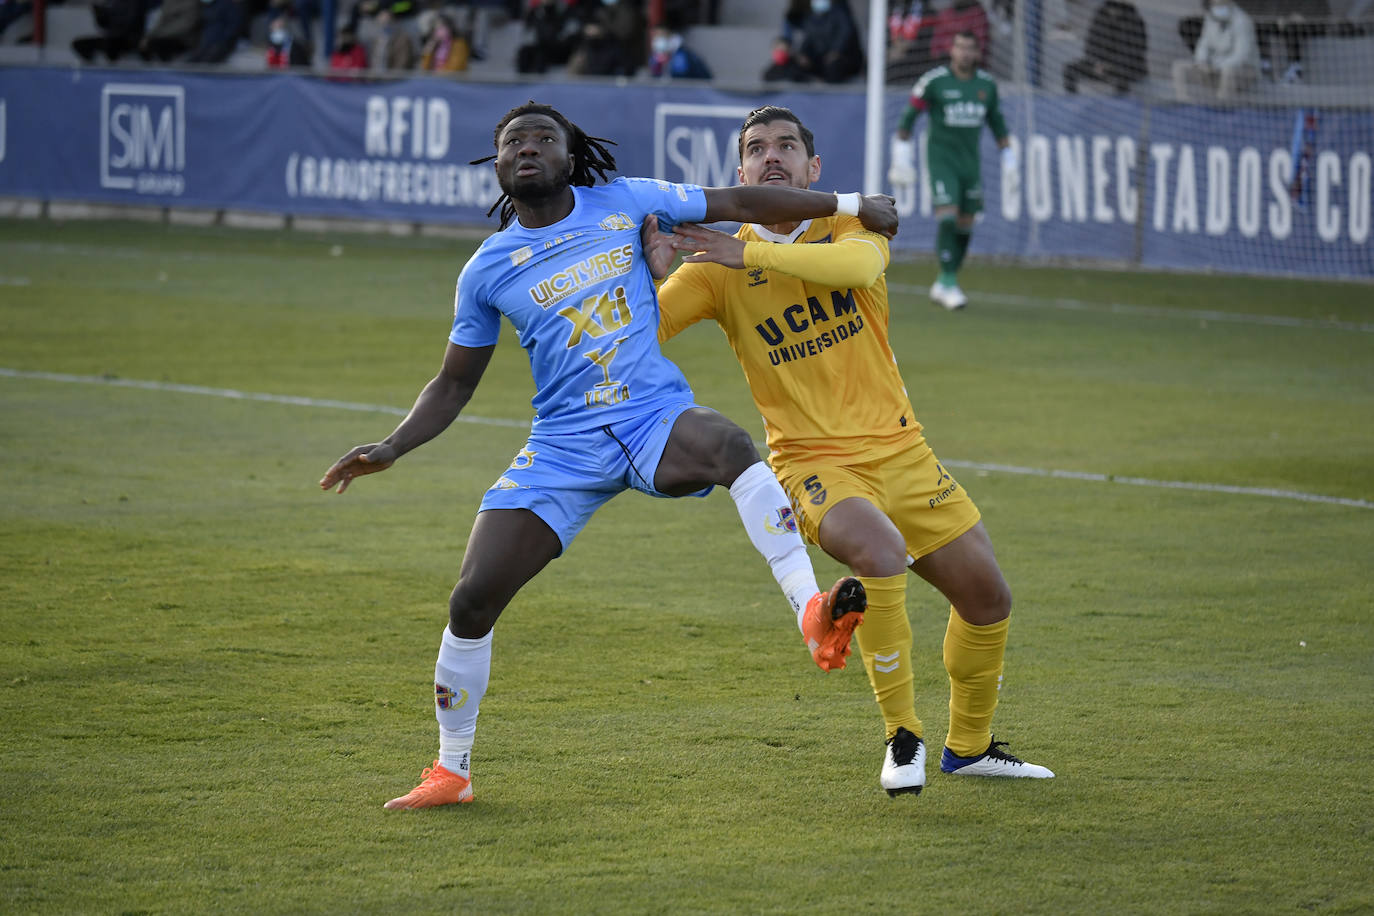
[[880, 662]]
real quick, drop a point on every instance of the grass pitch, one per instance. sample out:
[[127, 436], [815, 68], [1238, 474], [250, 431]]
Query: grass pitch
[[214, 674]]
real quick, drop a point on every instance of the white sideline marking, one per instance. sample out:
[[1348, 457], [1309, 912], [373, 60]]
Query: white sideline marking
[[1164, 484], [297, 401], [241, 395], [1148, 311]]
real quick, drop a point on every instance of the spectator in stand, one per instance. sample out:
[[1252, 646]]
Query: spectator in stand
[[625, 21], [1226, 59], [1289, 21], [830, 48], [304, 13], [478, 17], [349, 60], [793, 18], [356, 12], [550, 30], [121, 25], [286, 47], [949, 22], [394, 48], [672, 59], [613, 41], [176, 31], [782, 66], [1114, 52], [446, 50], [908, 41], [219, 33]]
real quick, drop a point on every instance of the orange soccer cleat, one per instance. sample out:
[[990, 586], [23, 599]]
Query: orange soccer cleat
[[439, 787], [830, 619]]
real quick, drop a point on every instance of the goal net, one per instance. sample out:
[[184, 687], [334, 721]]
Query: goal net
[[1142, 140]]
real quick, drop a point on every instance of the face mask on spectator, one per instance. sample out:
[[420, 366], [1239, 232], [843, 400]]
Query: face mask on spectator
[[666, 44], [820, 6], [1220, 12], [277, 36]]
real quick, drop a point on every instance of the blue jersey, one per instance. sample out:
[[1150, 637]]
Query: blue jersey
[[581, 298]]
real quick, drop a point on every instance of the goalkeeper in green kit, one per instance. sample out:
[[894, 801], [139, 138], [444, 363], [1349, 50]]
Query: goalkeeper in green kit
[[959, 97]]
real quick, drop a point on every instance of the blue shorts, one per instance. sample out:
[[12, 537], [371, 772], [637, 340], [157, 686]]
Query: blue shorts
[[566, 477]]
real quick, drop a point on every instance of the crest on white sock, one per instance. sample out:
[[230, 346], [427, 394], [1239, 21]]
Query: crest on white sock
[[445, 698]]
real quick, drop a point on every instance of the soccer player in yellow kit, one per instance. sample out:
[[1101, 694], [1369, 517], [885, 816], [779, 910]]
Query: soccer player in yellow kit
[[804, 306]]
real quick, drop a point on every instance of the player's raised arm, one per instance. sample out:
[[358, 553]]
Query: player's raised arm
[[437, 406], [771, 204]]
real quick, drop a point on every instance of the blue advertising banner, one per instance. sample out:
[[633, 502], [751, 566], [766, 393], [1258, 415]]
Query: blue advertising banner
[[1188, 186], [1162, 186]]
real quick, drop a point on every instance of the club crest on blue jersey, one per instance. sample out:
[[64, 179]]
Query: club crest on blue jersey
[[618, 221], [445, 698]]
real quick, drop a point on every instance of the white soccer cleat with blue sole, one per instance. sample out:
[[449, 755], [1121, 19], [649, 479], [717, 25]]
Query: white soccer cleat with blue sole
[[992, 762]]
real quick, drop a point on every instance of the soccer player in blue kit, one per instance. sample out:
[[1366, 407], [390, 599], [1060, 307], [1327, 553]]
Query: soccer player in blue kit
[[611, 412]]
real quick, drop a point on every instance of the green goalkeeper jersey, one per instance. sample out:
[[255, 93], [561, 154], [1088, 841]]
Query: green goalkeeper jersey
[[958, 108]]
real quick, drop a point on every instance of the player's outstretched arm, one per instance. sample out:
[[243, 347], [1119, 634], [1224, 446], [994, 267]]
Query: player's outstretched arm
[[768, 205], [437, 406], [857, 261]]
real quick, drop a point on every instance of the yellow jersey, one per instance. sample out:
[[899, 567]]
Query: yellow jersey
[[815, 351]]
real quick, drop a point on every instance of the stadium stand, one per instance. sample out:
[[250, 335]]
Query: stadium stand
[[1338, 65], [63, 22]]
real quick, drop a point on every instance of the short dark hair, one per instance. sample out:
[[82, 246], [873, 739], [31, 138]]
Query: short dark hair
[[767, 115], [589, 154], [970, 35]]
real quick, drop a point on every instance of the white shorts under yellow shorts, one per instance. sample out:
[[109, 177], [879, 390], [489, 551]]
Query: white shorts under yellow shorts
[[912, 488]]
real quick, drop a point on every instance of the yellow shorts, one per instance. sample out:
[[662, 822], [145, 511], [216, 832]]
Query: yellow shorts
[[912, 488]]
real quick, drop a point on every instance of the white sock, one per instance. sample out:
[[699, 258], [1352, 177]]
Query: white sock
[[460, 681], [768, 520]]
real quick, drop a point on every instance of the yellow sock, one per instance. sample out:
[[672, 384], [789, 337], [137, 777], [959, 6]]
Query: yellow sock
[[885, 643], [973, 658]]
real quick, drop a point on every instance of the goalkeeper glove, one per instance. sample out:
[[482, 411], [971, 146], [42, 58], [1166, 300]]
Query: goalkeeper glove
[[1011, 173], [902, 171]]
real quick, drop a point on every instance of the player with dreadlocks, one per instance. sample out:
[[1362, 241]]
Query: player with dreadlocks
[[612, 413], [589, 155]]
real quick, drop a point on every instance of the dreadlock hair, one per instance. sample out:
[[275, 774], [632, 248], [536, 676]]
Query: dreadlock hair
[[589, 154]]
